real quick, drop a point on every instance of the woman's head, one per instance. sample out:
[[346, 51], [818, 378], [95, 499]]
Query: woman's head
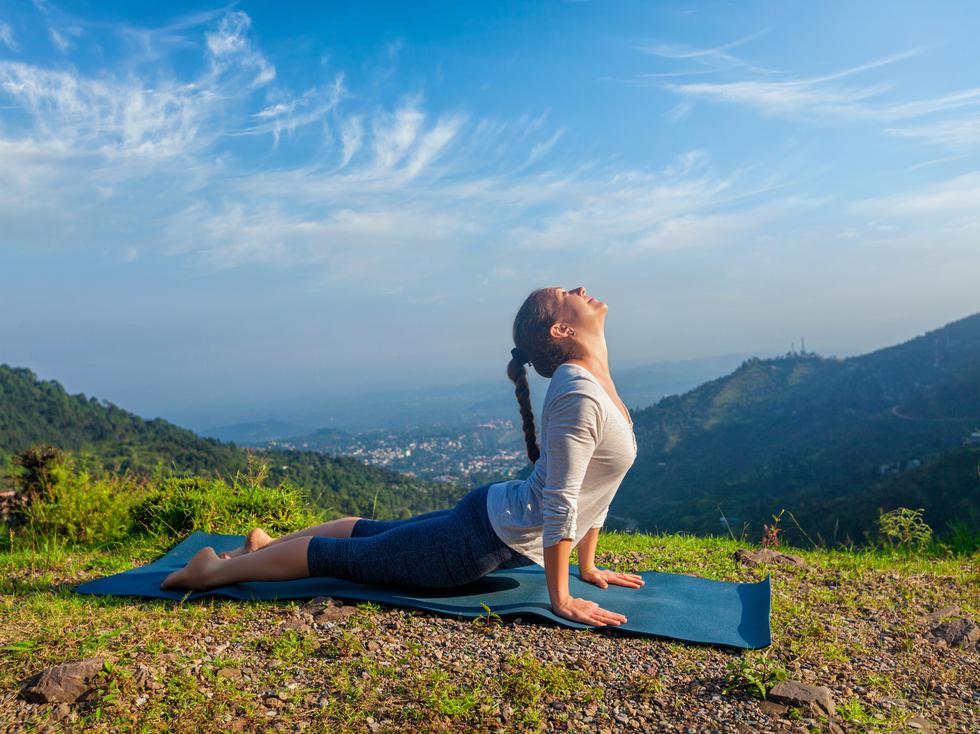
[[552, 326]]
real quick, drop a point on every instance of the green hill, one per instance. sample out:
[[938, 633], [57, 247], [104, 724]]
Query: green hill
[[34, 411], [831, 440]]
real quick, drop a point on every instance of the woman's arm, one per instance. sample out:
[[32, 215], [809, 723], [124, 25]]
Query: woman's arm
[[586, 551], [556, 571], [573, 432]]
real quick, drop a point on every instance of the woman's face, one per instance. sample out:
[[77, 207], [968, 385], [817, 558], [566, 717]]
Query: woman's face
[[579, 310]]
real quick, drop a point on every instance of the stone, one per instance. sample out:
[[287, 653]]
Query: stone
[[333, 613], [818, 699], [66, 683], [961, 632], [297, 625], [766, 555], [773, 709], [937, 615], [314, 605]]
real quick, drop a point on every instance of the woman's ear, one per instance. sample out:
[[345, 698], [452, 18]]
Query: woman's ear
[[559, 330]]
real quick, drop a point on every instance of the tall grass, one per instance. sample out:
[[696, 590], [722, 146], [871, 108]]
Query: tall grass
[[75, 506]]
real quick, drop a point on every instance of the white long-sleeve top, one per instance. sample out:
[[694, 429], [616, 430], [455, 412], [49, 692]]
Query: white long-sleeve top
[[587, 446]]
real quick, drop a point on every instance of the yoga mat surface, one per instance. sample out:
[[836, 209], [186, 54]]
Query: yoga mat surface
[[671, 605]]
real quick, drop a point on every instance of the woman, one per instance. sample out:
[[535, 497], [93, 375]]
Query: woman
[[588, 446]]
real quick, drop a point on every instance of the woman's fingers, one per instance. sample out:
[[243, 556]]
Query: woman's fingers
[[626, 579], [608, 617]]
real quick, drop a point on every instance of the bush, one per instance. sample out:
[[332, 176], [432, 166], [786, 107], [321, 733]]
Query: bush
[[904, 528], [182, 505], [77, 508]]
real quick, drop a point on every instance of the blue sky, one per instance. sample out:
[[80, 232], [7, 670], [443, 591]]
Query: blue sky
[[208, 209]]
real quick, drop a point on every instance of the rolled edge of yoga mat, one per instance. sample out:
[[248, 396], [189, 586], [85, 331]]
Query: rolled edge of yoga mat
[[675, 606]]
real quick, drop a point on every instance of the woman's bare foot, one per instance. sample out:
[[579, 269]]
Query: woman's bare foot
[[257, 539], [196, 574]]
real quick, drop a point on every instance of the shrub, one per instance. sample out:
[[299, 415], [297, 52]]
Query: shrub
[[75, 507], [904, 528], [179, 506]]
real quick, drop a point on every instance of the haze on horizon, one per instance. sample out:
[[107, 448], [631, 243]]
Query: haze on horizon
[[208, 207]]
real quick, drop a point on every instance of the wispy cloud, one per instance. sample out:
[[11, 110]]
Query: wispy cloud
[[960, 133], [362, 191], [60, 40], [824, 98], [7, 37], [717, 57]]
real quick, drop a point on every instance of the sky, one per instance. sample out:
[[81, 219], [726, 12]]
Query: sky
[[209, 210]]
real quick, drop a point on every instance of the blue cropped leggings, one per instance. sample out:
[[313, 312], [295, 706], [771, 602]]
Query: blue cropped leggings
[[439, 549]]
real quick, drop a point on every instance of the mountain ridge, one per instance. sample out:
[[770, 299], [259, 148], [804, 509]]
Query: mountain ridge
[[777, 432]]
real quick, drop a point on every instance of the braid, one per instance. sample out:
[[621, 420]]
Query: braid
[[518, 374], [534, 344]]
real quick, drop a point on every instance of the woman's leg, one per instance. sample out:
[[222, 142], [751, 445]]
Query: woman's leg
[[257, 538], [205, 570], [368, 527], [442, 549]]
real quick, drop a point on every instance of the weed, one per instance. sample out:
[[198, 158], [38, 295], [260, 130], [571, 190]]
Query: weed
[[770, 535], [754, 674], [491, 619], [644, 686], [904, 528]]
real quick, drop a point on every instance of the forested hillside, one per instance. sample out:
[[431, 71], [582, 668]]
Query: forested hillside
[[34, 411], [831, 440]]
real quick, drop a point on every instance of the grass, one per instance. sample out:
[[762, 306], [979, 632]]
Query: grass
[[866, 593]]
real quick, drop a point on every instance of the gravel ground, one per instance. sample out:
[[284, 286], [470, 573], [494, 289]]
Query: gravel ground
[[880, 655]]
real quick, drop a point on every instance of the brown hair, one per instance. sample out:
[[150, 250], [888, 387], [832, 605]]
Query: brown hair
[[532, 336]]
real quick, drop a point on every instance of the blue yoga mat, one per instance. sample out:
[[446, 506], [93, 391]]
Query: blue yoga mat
[[671, 605]]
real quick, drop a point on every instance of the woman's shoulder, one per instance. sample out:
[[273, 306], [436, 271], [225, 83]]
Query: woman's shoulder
[[571, 384]]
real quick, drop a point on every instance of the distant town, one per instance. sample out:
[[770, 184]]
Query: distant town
[[463, 455]]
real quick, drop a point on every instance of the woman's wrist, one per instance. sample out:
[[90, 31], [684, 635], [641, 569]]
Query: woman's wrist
[[560, 600]]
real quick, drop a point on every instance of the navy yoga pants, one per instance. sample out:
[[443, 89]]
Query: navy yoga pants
[[439, 549]]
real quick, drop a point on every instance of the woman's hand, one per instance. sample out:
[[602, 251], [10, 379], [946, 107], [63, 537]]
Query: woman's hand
[[602, 577], [586, 612]]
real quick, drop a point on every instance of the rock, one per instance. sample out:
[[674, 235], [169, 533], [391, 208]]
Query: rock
[[818, 699], [333, 613], [766, 555], [297, 624], [773, 709], [937, 615], [143, 675], [67, 682], [960, 632], [920, 723], [314, 605]]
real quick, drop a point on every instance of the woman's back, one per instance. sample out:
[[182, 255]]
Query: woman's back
[[587, 446]]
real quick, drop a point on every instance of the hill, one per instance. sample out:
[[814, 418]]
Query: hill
[[34, 411], [831, 440]]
